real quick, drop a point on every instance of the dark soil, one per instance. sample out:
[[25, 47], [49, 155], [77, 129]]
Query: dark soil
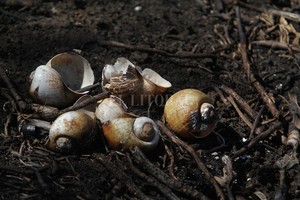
[[32, 32]]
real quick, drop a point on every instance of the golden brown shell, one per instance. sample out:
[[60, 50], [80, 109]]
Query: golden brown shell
[[184, 113], [126, 133]]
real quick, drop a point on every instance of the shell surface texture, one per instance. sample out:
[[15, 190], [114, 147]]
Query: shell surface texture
[[72, 131], [190, 114], [56, 83], [110, 108], [126, 80], [126, 133]]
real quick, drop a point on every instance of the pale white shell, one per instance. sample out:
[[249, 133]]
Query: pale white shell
[[72, 131], [126, 133], [110, 108], [55, 83]]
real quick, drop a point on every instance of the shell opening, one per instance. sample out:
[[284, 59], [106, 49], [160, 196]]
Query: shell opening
[[145, 129], [75, 71], [208, 113], [64, 144], [147, 132]]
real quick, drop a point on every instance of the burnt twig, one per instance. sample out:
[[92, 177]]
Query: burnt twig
[[193, 153], [86, 102], [256, 122], [273, 127], [242, 116], [291, 16], [260, 89], [19, 101], [239, 100], [154, 50], [276, 45], [50, 113], [177, 185], [166, 191], [120, 175]]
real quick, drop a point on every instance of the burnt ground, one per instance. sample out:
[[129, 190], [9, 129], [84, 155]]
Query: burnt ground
[[34, 31]]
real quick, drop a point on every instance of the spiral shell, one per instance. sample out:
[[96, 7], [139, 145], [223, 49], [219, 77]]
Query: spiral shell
[[131, 83], [72, 131], [56, 83], [190, 113], [126, 133]]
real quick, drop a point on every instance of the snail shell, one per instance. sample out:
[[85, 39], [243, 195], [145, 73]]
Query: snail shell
[[72, 131], [190, 113], [131, 83], [110, 108], [56, 83], [126, 133]]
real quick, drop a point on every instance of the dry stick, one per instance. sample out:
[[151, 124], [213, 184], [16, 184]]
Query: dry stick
[[167, 192], [171, 165], [256, 122], [193, 153], [239, 100], [43, 112], [177, 185], [86, 102], [19, 101], [4, 92], [44, 186], [273, 127], [223, 98], [49, 113], [288, 15], [242, 48], [242, 116], [120, 175], [276, 45], [153, 50]]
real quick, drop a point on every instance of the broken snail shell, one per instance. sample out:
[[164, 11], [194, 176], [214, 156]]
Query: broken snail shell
[[72, 131], [190, 113], [126, 133], [130, 82], [57, 83]]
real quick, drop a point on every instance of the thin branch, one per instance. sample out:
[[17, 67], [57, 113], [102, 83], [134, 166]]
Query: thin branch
[[119, 174], [19, 101], [291, 16], [242, 116], [273, 127], [154, 50], [260, 89], [193, 153], [276, 45], [167, 192], [177, 185], [241, 101]]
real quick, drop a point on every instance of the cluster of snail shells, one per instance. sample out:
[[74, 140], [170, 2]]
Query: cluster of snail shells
[[131, 83], [58, 84], [123, 130], [190, 114]]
